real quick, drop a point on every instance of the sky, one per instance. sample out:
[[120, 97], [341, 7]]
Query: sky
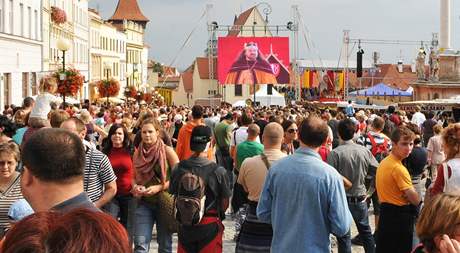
[[172, 21]]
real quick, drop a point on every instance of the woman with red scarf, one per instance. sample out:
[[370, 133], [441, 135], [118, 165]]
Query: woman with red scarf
[[153, 161]]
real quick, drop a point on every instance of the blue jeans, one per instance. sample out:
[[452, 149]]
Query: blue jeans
[[360, 216], [145, 219], [122, 208]]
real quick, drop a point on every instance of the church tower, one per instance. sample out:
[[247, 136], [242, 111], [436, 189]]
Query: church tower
[[129, 19]]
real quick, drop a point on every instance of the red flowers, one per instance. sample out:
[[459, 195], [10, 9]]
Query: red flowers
[[131, 92], [72, 83], [108, 88], [58, 15], [147, 97]]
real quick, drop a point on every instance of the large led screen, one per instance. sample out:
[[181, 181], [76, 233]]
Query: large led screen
[[253, 60]]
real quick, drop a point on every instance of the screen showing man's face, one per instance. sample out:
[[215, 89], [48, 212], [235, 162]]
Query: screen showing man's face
[[251, 53]]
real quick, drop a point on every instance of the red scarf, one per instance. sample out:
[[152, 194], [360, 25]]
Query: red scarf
[[146, 159]]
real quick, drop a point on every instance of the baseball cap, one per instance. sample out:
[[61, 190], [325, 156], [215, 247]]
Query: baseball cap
[[178, 118], [201, 135]]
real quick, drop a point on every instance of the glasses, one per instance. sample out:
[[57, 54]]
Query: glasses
[[293, 130]]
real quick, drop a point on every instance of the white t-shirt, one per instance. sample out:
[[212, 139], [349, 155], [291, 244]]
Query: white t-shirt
[[42, 105], [240, 135], [418, 118]]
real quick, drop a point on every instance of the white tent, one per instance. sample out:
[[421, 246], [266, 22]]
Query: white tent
[[264, 99], [239, 103]]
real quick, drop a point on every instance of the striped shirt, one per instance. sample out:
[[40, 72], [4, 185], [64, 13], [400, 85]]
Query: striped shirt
[[378, 137], [11, 195], [98, 172]]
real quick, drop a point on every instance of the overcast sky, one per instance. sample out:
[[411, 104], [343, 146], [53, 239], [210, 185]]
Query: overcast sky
[[171, 21]]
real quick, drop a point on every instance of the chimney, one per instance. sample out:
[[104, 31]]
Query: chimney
[[445, 29], [412, 67], [376, 57], [400, 66]]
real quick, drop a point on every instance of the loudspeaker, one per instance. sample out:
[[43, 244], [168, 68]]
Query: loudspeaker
[[270, 89], [359, 63]]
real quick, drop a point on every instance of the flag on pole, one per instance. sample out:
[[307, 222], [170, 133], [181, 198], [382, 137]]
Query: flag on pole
[[341, 81], [306, 79]]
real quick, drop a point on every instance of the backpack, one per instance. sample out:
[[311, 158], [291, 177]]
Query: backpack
[[379, 151], [190, 199]]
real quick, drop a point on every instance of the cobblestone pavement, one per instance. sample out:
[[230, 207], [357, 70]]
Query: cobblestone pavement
[[229, 244]]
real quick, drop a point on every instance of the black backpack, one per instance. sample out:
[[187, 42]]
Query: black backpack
[[190, 199]]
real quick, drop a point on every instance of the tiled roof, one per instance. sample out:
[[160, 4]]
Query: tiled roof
[[389, 74], [187, 80], [128, 10], [170, 79], [203, 67], [241, 20]]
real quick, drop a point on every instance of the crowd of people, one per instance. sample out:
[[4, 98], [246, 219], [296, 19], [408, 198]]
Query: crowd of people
[[99, 178]]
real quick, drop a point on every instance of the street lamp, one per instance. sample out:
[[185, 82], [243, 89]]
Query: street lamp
[[63, 45], [135, 68]]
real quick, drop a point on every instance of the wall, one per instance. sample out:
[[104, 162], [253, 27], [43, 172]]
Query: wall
[[179, 96], [20, 48]]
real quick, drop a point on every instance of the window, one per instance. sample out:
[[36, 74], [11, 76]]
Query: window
[[238, 90], [21, 24], [29, 14], [11, 17], [25, 84], [2, 13], [7, 88], [37, 32], [33, 81]]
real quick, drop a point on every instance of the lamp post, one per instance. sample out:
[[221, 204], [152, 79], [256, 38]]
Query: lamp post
[[106, 72], [63, 45]]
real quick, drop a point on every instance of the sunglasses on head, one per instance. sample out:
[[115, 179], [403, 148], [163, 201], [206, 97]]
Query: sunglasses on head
[[293, 130]]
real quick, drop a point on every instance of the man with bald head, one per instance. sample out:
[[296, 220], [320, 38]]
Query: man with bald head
[[303, 197], [252, 175]]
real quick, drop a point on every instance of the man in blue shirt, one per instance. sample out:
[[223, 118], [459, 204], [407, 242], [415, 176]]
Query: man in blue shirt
[[303, 197], [349, 110]]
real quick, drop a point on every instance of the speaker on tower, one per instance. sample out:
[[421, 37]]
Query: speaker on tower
[[270, 89], [359, 62]]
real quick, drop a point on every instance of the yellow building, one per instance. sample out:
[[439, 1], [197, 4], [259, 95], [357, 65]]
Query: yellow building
[[195, 85], [108, 53]]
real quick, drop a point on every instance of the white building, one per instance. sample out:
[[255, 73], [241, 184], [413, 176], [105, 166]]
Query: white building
[[75, 30], [144, 64], [81, 42], [20, 49]]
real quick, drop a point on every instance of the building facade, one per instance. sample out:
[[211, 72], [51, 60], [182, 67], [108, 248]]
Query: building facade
[[197, 86], [128, 19], [20, 49], [108, 53], [75, 30]]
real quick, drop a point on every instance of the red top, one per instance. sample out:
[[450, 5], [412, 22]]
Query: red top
[[323, 152], [123, 167], [438, 185]]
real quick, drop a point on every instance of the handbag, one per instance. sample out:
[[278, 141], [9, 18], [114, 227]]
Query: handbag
[[166, 218]]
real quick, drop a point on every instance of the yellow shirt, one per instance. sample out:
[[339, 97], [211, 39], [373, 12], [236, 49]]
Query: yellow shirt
[[391, 181]]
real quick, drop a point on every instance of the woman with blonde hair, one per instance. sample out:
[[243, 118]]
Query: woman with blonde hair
[[10, 181], [438, 226], [448, 178], [435, 151]]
